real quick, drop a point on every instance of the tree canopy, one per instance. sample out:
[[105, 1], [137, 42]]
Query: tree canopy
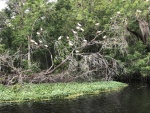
[[87, 39]]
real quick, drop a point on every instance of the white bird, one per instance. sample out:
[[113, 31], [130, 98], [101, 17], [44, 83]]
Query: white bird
[[37, 33], [27, 11], [40, 41], [74, 32], [82, 29], [79, 24], [9, 24], [35, 43], [98, 32], [84, 40], [118, 12], [12, 17], [43, 17], [67, 37], [104, 37], [59, 38], [84, 43], [32, 41], [46, 46], [41, 29], [97, 24], [70, 43], [78, 28], [77, 51], [138, 11]]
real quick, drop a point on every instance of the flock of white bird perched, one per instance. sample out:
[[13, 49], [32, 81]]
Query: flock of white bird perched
[[79, 28], [40, 42]]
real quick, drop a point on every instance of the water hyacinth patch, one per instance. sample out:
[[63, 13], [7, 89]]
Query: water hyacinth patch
[[36, 92]]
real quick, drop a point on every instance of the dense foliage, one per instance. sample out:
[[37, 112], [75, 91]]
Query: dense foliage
[[87, 39]]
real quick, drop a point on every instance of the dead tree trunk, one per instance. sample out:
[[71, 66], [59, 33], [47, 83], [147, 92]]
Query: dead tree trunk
[[144, 27]]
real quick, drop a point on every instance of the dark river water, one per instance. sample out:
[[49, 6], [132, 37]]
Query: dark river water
[[133, 99]]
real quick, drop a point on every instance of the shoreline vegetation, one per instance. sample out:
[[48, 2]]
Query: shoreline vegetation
[[45, 91]]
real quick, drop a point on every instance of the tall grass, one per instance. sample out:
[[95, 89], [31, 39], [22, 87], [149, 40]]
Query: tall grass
[[27, 92]]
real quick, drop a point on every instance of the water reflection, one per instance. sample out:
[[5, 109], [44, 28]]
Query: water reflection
[[133, 99]]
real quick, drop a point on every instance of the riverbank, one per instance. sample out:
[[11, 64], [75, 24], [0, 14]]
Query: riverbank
[[37, 92]]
